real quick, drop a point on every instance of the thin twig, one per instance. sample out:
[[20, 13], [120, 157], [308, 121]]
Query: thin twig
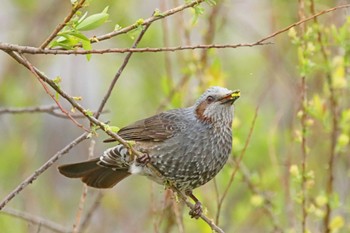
[[147, 21], [50, 109], [37, 109], [35, 220], [119, 72], [32, 50], [43, 83], [210, 32], [237, 166], [40, 170], [334, 132], [303, 21], [303, 153], [210, 222], [59, 27], [303, 104]]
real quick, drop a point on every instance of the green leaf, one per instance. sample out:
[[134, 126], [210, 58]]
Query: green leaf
[[198, 10], [88, 112], [157, 13], [87, 46], [78, 35], [93, 21], [82, 18]]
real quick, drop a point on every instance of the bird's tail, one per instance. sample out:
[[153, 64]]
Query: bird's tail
[[103, 172]]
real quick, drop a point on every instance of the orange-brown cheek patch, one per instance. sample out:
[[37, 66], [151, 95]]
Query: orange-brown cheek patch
[[200, 112]]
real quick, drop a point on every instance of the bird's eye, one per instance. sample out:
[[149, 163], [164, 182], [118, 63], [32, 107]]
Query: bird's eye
[[210, 99]]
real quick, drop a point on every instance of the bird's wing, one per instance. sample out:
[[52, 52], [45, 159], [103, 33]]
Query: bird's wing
[[156, 128]]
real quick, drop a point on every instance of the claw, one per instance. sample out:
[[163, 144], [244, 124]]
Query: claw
[[196, 211], [144, 159]]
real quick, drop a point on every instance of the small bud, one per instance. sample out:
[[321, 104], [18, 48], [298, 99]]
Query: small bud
[[140, 21], [292, 33], [319, 213], [300, 114], [343, 140], [321, 200], [294, 170], [310, 122], [310, 47], [311, 208], [257, 200]]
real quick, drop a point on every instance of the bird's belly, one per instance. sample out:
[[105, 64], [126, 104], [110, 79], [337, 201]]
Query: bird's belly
[[188, 171]]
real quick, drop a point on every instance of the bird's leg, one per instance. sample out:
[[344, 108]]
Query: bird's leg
[[143, 159], [197, 210]]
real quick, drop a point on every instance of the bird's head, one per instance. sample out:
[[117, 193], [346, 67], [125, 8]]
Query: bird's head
[[216, 105]]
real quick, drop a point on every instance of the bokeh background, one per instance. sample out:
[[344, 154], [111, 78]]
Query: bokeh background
[[270, 184]]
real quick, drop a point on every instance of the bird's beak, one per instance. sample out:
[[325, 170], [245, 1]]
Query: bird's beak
[[231, 97]]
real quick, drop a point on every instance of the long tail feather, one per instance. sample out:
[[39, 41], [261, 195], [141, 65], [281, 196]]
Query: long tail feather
[[94, 175]]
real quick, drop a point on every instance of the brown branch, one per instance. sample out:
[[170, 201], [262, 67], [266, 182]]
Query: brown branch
[[39, 109], [303, 104], [304, 21], [210, 32], [219, 205], [43, 83], [33, 50], [40, 170], [334, 132], [59, 27], [303, 153], [35, 220], [51, 109]]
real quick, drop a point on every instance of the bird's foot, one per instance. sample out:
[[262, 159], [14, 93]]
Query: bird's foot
[[196, 211], [143, 159]]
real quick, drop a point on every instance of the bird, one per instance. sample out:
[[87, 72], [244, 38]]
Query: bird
[[187, 146]]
